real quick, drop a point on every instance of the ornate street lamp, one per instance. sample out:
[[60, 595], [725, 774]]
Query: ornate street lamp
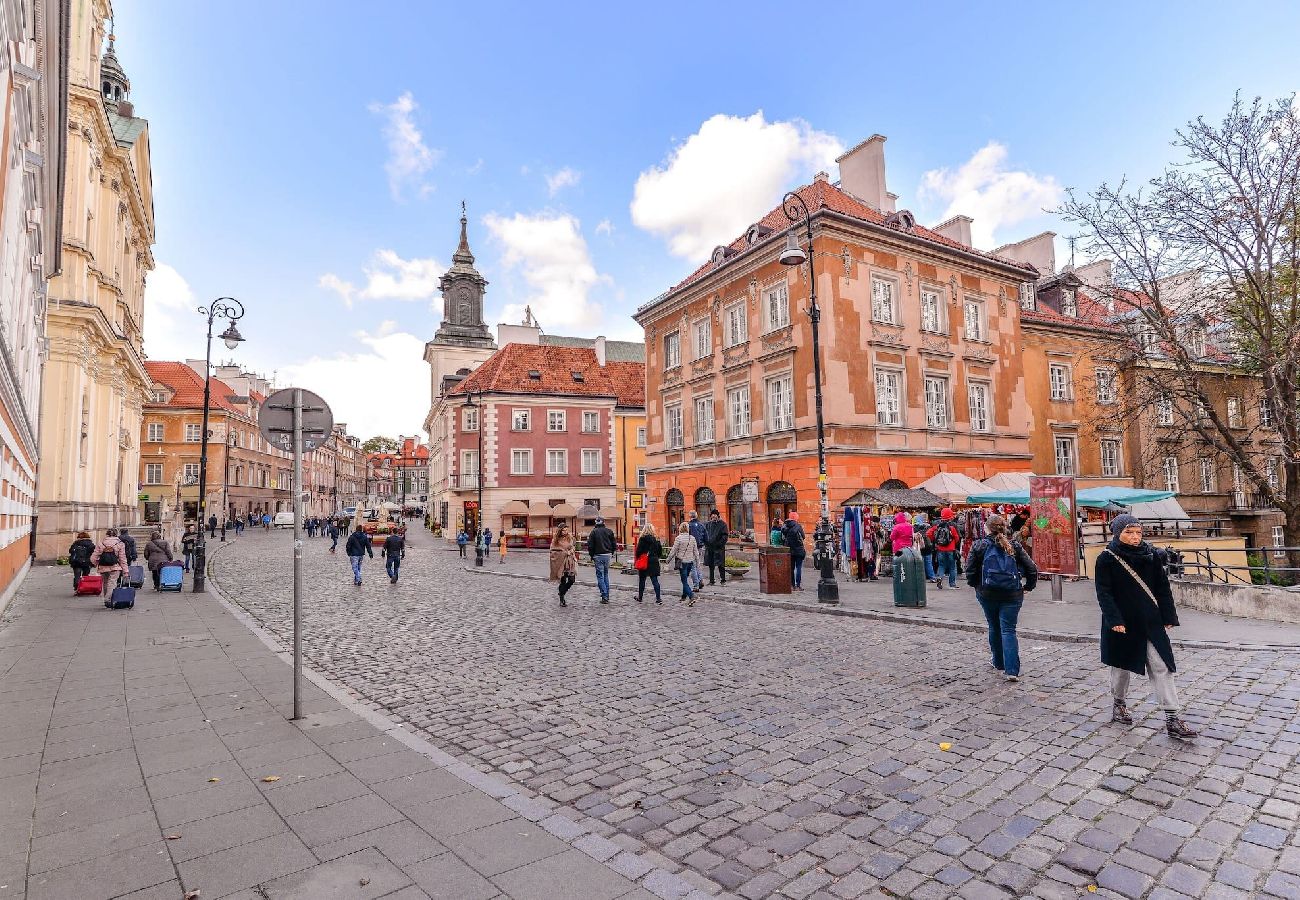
[[828, 590], [232, 441], [231, 309]]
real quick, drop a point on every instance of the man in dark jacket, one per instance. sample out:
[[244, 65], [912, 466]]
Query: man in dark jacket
[[394, 551], [697, 531], [793, 534], [333, 533], [212, 526], [129, 542], [715, 546], [358, 545], [601, 545]]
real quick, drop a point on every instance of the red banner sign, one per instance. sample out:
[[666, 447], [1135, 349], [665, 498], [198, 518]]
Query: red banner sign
[[1053, 524]]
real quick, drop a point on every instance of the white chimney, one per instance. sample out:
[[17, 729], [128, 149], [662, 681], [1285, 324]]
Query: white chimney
[[862, 173], [957, 228], [1039, 251], [1095, 274], [518, 334], [600, 350]]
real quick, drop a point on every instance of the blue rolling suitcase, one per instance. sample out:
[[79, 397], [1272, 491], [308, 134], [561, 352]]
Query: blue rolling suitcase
[[135, 576], [123, 596], [171, 575]]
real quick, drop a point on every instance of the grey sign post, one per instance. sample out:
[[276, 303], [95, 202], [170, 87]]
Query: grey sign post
[[296, 421]]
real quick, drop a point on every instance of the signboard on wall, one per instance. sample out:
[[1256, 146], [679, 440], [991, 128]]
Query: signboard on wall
[[749, 490], [1054, 524], [635, 500]]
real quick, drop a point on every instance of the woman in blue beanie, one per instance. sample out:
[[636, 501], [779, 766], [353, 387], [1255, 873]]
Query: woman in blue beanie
[[1137, 610]]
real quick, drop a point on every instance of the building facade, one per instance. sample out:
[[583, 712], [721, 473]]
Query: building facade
[[33, 129], [95, 383], [921, 365]]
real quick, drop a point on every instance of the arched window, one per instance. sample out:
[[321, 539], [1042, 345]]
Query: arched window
[[705, 502], [782, 499], [893, 484], [740, 515]]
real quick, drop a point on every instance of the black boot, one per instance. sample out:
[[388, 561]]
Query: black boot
[[1120, 714], [1177, 728]]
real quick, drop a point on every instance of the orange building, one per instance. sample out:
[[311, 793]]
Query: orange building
[[921, 362]]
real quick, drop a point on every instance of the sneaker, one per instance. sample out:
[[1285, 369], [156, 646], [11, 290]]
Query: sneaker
[[1120, 714], [1013, 678], [938, 583], [1177, 728], [604, 599]]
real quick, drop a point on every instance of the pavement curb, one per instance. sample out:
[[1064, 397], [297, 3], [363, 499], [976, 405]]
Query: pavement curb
[[577, 833], [927, 621]]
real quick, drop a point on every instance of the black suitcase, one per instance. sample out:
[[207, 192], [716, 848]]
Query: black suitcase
[[135, 576], [123, 597]]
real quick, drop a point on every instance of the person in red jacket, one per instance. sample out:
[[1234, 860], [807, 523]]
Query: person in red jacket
[[945, 538]]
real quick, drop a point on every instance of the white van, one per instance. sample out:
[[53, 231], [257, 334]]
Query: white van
[[283, 520]]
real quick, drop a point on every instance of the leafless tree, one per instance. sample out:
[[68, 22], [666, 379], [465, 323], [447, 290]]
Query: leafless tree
[[1204, 287]]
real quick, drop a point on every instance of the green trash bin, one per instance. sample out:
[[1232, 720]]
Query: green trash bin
[[909, 579]]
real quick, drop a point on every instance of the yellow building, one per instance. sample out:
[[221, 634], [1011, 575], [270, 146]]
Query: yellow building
[[629, 452], [95, 382]]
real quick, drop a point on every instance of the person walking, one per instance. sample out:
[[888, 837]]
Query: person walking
[[794, 536], [564, 559], [601, 545], [79, 554], [157, 553], [462, 541], [239, 525], [648, 551], [332, 531], [393, 551], [945, 538], [685, 557], [109, 559], [357, 547], [1137, 611], [1001, 571], [715, 546], [487, 543], [266, 521], [129, 543], [700, 534], [188, 541]]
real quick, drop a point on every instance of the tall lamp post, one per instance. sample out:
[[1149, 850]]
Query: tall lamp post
[[828, 590], [478, 517], [231, 309], [232, 441]]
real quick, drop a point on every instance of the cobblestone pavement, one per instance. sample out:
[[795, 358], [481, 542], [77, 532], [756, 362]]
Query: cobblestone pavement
[[771, 752]]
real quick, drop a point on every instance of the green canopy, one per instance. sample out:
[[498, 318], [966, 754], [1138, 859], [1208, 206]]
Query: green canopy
[[1094, 498]]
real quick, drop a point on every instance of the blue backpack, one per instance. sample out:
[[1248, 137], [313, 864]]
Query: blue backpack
[[999, 570]]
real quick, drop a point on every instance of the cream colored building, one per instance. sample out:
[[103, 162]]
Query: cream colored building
[[95, 382]]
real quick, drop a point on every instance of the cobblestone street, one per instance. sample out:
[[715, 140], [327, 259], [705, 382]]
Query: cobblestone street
[[770, 752]]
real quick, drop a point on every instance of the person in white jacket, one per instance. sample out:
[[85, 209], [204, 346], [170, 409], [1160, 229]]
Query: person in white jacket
[[686, 558]]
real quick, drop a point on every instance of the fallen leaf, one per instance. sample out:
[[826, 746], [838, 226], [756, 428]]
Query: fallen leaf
[[213, 780], [173, 837], [365, 881], [192, 895], [945, 746], [270, 778], [1092, 889]]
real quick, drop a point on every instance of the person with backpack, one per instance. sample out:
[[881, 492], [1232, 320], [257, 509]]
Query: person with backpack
[[79, 557], [462, 541], [1001, 572], [108, 558], [129, 543], [946, 538], [793, 535], [1137, 611]]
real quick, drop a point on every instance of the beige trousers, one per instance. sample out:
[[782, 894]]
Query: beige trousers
[[1162, 681]]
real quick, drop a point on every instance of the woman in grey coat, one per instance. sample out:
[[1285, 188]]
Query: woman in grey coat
[[157, 553]]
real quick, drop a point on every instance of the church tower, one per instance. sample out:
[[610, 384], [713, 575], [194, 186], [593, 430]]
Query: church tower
[[462, 341]]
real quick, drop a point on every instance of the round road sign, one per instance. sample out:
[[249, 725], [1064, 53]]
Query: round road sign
[[275, 420]]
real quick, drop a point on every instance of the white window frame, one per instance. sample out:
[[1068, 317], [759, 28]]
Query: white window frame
[[739, 420], [190, 470], [469, 418], [672, 350], [149, 476], [157, 395], [937, 415], [1060, 388], [776, 306], [735, 324], [1265, 414], [704, 422], [1028, 296], [884, 300], [937, 323], [1164, 411], [1069, 303], [640, 436], [1235, 417], [193, 432], [1169, 465], [521, 420], [640, 476], [1209, 480], [591, 464], [1110, 464], [468, 467], [1107, 385], [673, 427], [524, 454], [977, 399], [591, 421], [155, 432], [557, 420], [1273, 473], [780, 405], [557, 462], [703, 338], [889, 389], [973, 313], [1065, 456], [1278, 536]]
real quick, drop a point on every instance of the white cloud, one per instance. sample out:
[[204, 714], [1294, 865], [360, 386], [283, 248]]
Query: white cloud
[[171, 320], [605, 227], [724, 177], [987, 191], [550, 251], [565, 178], [409, 158], [363, 402], [476, 168], [389, 277]]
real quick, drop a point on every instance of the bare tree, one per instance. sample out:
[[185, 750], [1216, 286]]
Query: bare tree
[[1204, 287]]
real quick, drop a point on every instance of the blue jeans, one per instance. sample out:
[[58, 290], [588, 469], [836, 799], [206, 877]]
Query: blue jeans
[[796, 570], [189, 559], [929, 566], [1002, 616], [946, 561], [391, 565], [697, 572], [602, 561], [356, 568], [685, 572]]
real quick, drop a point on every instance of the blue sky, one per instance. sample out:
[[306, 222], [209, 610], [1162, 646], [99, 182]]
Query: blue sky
[[310, 159]]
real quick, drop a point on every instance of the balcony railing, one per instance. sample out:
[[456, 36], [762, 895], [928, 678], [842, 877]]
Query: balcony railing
[[1246, 501], [463, 482]]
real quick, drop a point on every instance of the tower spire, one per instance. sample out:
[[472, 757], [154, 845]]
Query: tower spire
[[463, 254]]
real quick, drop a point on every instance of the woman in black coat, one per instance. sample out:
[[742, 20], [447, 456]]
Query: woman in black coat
[[648, 545], [1137, 610]]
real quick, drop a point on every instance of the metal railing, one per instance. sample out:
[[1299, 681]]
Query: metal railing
[[1249, 500], [1264, 565], [463, 482]]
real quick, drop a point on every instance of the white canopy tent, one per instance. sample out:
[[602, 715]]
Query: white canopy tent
[[1006, 481], [953, 487], [1168, 510]]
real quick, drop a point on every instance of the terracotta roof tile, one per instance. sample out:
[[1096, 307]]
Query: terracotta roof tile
[[187, 388], [510, 371]]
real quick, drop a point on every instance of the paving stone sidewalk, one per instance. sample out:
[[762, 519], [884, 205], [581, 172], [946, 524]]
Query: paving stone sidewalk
[[147, 753]]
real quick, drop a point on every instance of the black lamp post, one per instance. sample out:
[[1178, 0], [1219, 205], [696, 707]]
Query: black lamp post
[[828, 590], [478, 513], [231, 309], [232, 440]]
